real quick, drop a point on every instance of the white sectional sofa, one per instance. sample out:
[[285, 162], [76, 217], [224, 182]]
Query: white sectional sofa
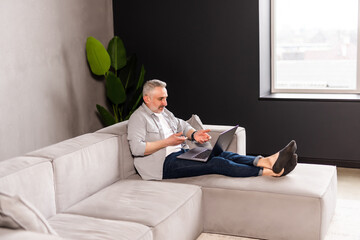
[[87, 188]]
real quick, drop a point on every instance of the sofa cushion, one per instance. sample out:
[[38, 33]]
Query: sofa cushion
[[238, 144], [171, 209], [88, 228], [300, 205], [127, 167], [11, 234], [116, 129], [16, 212], [32, 179], [82, 166], [126, 159]]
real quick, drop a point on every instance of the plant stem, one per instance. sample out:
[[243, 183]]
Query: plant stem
[[120, 112], [115, 113]]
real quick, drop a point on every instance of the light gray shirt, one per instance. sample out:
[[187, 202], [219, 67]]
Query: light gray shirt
[[144, 126]]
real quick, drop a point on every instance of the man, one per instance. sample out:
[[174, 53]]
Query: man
[[157, 137]]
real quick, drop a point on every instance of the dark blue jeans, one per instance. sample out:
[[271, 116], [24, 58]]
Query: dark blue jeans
[[227, 163]]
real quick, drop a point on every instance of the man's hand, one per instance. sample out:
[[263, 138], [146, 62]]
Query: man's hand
[[175, 139], [201, 136]]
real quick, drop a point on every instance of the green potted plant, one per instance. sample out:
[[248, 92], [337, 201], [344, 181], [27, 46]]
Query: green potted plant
[[123, 85]]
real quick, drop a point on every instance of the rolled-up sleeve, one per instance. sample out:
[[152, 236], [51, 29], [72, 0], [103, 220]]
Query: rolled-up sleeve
[[186, 127], [137, 134]]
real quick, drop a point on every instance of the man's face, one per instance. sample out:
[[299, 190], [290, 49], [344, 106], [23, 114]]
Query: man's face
[[156, 100]]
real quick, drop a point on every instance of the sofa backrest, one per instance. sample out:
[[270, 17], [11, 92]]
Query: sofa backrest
[[32, 179], [126, 159], [82, 166]]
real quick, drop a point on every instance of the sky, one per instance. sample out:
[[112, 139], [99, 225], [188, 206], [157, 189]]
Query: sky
[[329, 14]]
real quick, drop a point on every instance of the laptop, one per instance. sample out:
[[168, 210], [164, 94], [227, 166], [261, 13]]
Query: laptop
[[203, 154]]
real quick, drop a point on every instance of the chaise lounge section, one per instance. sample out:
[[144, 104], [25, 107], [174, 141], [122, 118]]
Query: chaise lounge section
[[87, 188]]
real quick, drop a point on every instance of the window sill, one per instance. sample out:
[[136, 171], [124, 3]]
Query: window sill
[[312, 96]]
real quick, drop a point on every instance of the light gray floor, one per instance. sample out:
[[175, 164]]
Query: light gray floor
[[348, 189], [348, 183]]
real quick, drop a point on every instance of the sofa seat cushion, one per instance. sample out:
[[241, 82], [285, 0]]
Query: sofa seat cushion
[[160, 205], [297, 206], [309, 180], [88, 228], [11, 234]]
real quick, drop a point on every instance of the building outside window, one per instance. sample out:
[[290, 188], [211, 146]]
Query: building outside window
[[314, 46]]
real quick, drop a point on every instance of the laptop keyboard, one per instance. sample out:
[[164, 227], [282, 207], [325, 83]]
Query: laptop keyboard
[[203, 155]]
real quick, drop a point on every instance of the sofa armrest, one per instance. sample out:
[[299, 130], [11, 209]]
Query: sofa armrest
[[238, 144]]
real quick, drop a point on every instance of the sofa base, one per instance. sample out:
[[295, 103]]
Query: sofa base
[[297, 206]]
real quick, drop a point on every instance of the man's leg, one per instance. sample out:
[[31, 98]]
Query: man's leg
[[237, 166], [266, 163], [242, 159], [176, 168]]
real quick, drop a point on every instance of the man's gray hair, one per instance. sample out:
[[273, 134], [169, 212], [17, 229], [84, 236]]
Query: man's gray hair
[[151, 84]]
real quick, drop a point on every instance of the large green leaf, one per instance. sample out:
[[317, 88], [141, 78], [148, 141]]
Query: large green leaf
[[117, 53], [97, 56], [105, 115], [114, 89]]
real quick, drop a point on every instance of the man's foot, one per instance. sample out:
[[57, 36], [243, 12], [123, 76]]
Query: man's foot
[[269, 172], [290, 165], [284, 157]]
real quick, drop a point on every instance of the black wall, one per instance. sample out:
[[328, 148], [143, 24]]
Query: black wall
[[208, 53]]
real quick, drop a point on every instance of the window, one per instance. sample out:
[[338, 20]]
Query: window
[[314, 46]]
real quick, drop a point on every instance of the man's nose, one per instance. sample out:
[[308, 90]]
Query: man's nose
[[164, 102]]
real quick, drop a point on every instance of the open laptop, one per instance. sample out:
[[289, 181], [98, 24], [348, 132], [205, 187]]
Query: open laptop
[[203, 154]]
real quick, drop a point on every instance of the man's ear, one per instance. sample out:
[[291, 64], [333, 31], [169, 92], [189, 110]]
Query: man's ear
[[146, 99]]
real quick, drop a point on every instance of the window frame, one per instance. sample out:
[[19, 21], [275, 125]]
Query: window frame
[[273, 90]]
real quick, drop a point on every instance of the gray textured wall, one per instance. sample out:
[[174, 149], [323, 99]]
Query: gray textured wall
[[47, 93]]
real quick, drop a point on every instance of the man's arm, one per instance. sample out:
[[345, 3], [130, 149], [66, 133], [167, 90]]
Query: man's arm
[[200, 136], [173, 140]]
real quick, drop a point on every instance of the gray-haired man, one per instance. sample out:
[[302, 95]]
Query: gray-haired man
[[157, 137]]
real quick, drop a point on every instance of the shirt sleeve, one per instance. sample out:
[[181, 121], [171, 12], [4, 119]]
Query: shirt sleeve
[[137, 134], [186, 127]]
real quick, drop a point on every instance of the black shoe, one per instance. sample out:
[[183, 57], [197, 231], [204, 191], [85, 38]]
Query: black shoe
[[290, 165], [285, 156]]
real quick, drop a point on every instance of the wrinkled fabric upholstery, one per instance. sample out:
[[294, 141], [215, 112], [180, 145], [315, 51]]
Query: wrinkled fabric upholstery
[[126, 159], [10, 234], [88, 228], [32, 179], [166, 207], [17, 213], [82, 166]]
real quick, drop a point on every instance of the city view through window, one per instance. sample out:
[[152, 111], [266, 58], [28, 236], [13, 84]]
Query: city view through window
[[315, 44]]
